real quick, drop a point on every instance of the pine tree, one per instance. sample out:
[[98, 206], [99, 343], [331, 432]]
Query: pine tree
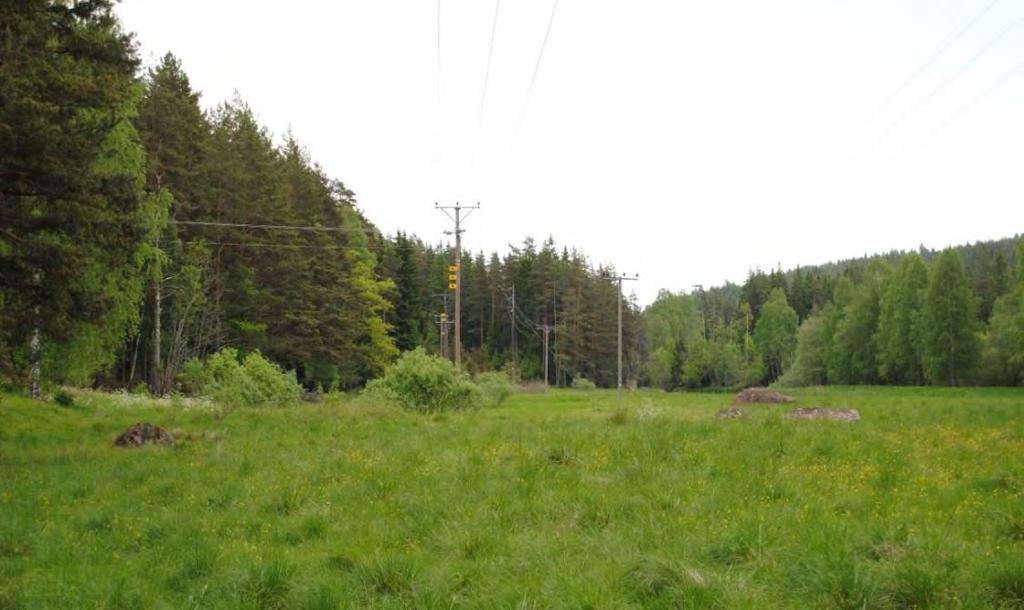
[[71, 189]]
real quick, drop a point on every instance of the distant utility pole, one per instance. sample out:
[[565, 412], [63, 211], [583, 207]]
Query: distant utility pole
[[620, 279], [512, 319], [443, 324], [547, 330], [510, 299], [455, 275]]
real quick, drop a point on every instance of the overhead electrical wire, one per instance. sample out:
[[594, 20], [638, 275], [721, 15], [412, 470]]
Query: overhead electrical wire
[[536, 67], [271, 227], [291, 246], [490, 57], [483, 91], [438, 148], [966, 108], [943, 47], [950, 78]]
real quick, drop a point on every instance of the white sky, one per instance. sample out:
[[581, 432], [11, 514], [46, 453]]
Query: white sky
[[686, 141]]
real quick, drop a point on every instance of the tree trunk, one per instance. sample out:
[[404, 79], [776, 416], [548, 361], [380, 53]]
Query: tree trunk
[[35, 358], [156, 373], [35, 354]]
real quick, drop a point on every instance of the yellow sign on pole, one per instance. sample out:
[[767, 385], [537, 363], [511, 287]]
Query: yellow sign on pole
[[453, 278], [452, 268], [451, 286]]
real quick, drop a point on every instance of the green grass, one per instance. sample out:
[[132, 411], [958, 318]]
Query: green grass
[[565, 499]]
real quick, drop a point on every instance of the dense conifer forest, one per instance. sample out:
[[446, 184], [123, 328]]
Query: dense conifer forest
[[139, 231]]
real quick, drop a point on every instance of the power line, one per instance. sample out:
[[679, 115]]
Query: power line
[[291, 246], [438, 148], [943, 47], [536, 67], [966, 108], [490, 55], [270, 227], [483, 92], [948, 80]]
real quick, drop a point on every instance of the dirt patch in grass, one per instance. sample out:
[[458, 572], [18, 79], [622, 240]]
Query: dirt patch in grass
[[760, 396], [823, 413], [731, 413], [140, 434]]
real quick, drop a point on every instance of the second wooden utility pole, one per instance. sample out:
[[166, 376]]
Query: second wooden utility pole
[[455, 277], [547, 330], [622, 278]]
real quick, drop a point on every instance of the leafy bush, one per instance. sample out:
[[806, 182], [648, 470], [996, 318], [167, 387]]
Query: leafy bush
[[495, 387], [582, 383], [420, 382], [253, 380], [64, 399]]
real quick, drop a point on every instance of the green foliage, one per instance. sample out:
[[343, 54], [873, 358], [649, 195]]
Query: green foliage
[[231, 379], [582, 383], [900, 327], [72, 187], [63, 398], [1003, 343], [809, 366], [950, 345], [854, 336], [712, 365], [425, 383], [495, 387], [775, 334], [673, 325]]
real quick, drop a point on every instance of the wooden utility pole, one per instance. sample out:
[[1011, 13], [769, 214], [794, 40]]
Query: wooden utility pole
[[455, 279], [512, 319], [547, 330], [443, 325], [620, 279]]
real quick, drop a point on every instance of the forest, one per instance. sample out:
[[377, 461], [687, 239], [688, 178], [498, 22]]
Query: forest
[[139, 231]]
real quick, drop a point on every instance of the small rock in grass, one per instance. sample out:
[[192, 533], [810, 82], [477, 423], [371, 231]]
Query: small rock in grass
[[312, 396], [823, 413], [142, 433], [731, 413], [760, 395]]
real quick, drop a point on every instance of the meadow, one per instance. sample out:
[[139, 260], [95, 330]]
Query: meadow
[[566, 499]]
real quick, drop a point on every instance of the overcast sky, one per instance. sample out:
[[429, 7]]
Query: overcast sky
[[685, 141]]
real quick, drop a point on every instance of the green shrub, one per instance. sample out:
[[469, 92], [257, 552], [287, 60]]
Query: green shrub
[[64, 399], [495, 387], [194, 377], [425, 383], [253, 380], [582, 383]]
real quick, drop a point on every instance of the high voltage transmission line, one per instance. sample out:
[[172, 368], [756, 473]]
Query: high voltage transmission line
[[950, 78], [943, 47], [536, 67], [966, 108]]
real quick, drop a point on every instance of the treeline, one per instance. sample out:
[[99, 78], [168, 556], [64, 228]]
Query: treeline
[[553, 288], [947, 318], [138, 231]]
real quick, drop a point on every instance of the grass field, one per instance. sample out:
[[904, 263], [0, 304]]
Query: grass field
[[557, 500]]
